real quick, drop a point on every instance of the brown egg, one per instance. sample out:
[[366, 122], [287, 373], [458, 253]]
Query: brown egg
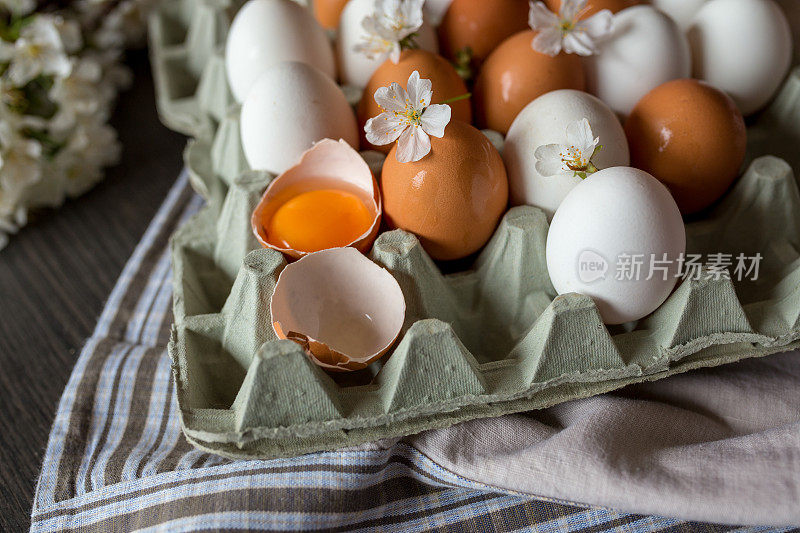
[[481, 25], [327, 12], [596, 5], [451, 199], [445, 81], [515, 74], [691, 136]]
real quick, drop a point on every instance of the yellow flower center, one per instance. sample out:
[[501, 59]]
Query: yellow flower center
[[566, 26], [574, 159], [412, 115]]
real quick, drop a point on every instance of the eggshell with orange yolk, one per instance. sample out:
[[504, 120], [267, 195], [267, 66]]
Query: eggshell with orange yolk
[[327, 165]]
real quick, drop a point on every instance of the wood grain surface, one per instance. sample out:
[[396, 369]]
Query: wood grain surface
[[55, 276]]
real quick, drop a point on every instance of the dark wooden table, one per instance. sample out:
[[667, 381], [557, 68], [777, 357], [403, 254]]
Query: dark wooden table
[[55, 276]]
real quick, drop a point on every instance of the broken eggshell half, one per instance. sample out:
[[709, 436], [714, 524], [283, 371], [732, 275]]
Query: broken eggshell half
[[344, 310], [328, 164]]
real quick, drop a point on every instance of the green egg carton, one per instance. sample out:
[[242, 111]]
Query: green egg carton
[[493, 340]]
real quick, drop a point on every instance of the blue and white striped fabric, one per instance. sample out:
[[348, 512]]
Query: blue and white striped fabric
[[116, 459]]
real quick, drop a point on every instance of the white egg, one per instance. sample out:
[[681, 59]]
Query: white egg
[[743, 47], [289, 108], [681, 11], [544, 121], [267, 32], [614, 220], [355, 68], [646, 49]]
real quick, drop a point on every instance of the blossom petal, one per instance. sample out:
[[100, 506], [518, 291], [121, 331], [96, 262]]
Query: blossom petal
[[387, 8], [411, 11], [579, 43], [548, 41], [413, 145], [370, 25], [435, 118], [376, 42], [539, 17], [571, 9], [394, 55], [391, 98], [419, 90], [59, 65], [579, 135], [6, 51], [384, 129], [548, 159], [598, 26], [21, 72]]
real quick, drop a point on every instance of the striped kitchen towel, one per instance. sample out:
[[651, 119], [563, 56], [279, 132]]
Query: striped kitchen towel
[[116, 459]]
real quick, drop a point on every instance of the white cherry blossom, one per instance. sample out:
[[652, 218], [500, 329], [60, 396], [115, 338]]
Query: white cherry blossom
[[18, 8], [389, 28], [80, 93], [408, 118], [69, 32], [19, 160], [574, 157], [566, 30], [54, 136], [38, 50]]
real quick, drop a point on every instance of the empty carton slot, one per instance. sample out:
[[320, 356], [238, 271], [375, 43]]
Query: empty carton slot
[[491, 307], [180, 83], [172, 27], [210, 377]]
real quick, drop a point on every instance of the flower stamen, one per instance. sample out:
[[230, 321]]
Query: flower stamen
[[410, 123]]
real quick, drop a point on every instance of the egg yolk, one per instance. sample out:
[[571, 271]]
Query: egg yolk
[[318, 220]]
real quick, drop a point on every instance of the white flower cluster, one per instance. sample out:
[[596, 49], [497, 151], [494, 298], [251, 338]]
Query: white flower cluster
[[60, 72], [390, 29]]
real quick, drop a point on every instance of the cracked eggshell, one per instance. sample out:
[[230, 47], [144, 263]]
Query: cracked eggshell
[[291, 107], [645, 50], [354, 67], [743, 47], [267, 32], [345, 310], [328, 165], [544, 121], [614, 213]]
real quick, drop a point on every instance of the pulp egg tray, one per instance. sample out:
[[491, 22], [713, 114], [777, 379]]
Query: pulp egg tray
[[489, 341]]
